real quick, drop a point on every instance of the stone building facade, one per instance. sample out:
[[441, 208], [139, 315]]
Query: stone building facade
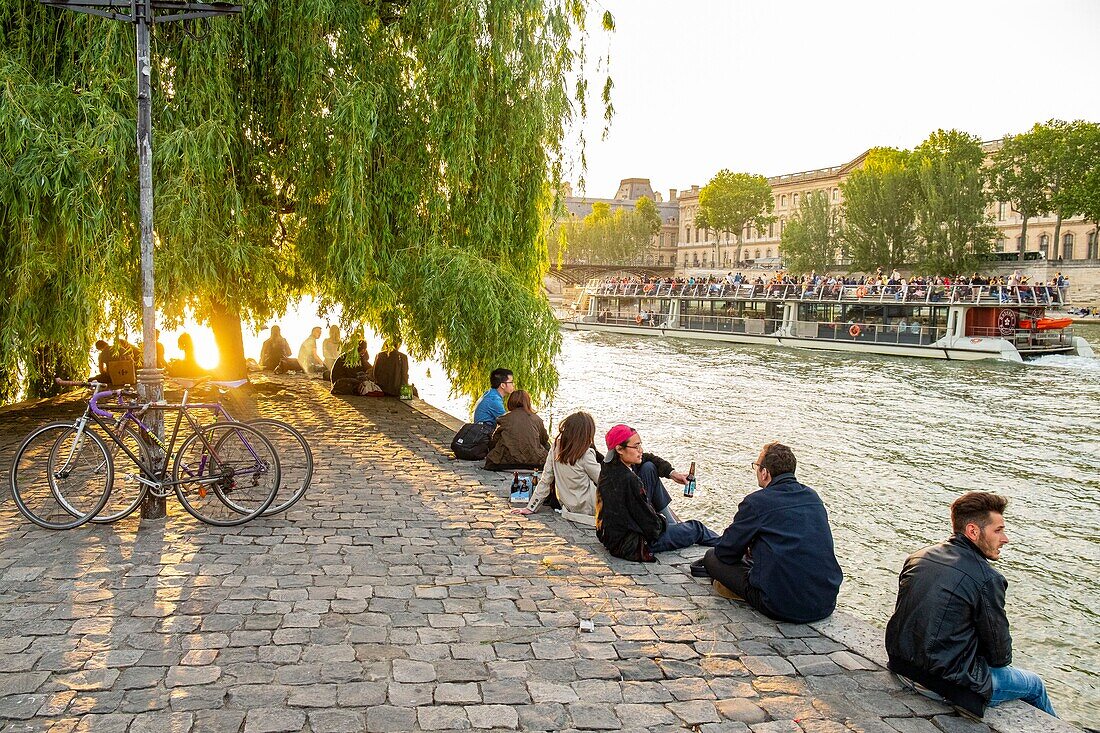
[[662, 250], [703, 252]]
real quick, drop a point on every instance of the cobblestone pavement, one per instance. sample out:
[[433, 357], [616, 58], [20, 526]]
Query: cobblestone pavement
[[400, 595]]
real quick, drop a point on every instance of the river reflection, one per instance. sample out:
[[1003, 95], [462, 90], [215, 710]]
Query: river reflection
[[889, 443]]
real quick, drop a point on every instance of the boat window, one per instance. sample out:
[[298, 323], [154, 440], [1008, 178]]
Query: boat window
[[822, 312], [754, 310]]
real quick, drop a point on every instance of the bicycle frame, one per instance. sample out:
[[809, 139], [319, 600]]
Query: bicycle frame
[[152, 474]]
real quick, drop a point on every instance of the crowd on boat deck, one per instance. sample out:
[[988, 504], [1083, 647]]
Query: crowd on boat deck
[[949, 635], [1013, 287]]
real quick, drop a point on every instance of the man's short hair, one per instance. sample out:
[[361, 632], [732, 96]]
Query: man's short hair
[[974, 508], [777, 458], [101, 344], [499, 377]]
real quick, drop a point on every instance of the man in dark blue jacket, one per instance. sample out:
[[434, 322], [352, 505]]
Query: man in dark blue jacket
[[778, 553]]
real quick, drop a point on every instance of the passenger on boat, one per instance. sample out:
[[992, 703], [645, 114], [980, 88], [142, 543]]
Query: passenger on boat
[[627, 521], [520, 440], [491, 405], [570, 473], [778, 553], [949, 632]]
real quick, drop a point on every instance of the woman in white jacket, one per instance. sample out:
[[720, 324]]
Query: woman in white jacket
[[572, 469]]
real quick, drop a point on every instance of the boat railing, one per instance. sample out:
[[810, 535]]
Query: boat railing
[[905, 334], [729, 324], [1024, 338], [1044, 295]]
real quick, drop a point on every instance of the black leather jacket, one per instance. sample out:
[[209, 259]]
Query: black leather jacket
[[626, 522], [949, 625]]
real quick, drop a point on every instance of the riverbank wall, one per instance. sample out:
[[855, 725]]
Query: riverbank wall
[[402, 594]]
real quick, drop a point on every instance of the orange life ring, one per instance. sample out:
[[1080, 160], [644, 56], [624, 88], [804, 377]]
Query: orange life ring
[[854, 331], [861, 292]]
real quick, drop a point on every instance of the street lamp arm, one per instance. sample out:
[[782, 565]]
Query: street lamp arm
[[169, 10]]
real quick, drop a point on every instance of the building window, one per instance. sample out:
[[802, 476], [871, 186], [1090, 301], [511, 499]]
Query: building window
[[1020, 244], [1001, 211], [769, 253], [1067, 247], [685, 259], [1001, 244], [696, 234], [783, 200], [660, 260], [794, 200], [687, 234], [771, 230], [836, 194], [695, 259], [757, 256], [1044, 246], [1094, 251]]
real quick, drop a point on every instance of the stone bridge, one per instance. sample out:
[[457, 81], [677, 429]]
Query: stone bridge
[[578, 274]]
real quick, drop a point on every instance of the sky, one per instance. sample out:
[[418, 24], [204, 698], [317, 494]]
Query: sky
[[783, 86]]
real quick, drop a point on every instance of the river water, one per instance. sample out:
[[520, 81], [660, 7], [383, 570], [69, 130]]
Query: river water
[[888, 443]]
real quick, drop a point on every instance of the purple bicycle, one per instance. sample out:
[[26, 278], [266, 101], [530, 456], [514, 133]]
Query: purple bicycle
[[224, 474]]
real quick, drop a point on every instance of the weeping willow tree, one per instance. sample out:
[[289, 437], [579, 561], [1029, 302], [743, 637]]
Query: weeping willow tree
[[394, 158]]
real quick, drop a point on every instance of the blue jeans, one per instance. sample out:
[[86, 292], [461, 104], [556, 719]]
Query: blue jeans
[[654, 487], [685, 534], [1010, 683]]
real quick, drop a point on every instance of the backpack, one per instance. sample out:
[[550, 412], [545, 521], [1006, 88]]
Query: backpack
[[471, 442], [345, 386]]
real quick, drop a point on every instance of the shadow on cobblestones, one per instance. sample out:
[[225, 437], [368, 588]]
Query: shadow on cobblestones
[[400, 594]]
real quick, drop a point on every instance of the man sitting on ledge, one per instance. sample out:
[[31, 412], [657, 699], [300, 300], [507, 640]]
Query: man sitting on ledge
[[949, 632], [778, 553]]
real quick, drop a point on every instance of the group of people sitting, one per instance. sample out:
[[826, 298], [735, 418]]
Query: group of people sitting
[[119, 361], [948, 637], [917, 287], [346, 364]]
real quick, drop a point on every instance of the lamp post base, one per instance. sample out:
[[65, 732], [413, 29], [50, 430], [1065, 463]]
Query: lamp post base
[[151, 389]]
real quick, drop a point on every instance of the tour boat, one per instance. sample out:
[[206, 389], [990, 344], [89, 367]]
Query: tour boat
[[963, 322]]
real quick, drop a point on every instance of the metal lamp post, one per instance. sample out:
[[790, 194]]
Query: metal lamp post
[[143, 14]]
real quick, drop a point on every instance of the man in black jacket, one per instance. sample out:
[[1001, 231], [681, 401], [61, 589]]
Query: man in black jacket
[[949, 632], [627, 523], [778, 553]]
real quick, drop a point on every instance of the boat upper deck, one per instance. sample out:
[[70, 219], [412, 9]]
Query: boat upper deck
[[986, 295]]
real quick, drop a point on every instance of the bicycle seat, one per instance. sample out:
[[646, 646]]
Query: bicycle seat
[[231, 385]]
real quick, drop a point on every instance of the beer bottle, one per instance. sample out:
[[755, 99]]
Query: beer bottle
[[689, 487], [515, 482]]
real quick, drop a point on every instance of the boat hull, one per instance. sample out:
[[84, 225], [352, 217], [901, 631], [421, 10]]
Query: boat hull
[[964, 349]]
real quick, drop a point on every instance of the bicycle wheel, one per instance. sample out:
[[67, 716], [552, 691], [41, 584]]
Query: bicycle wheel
[[128, 492], [227, 474], [60, 477], [295, 462]]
